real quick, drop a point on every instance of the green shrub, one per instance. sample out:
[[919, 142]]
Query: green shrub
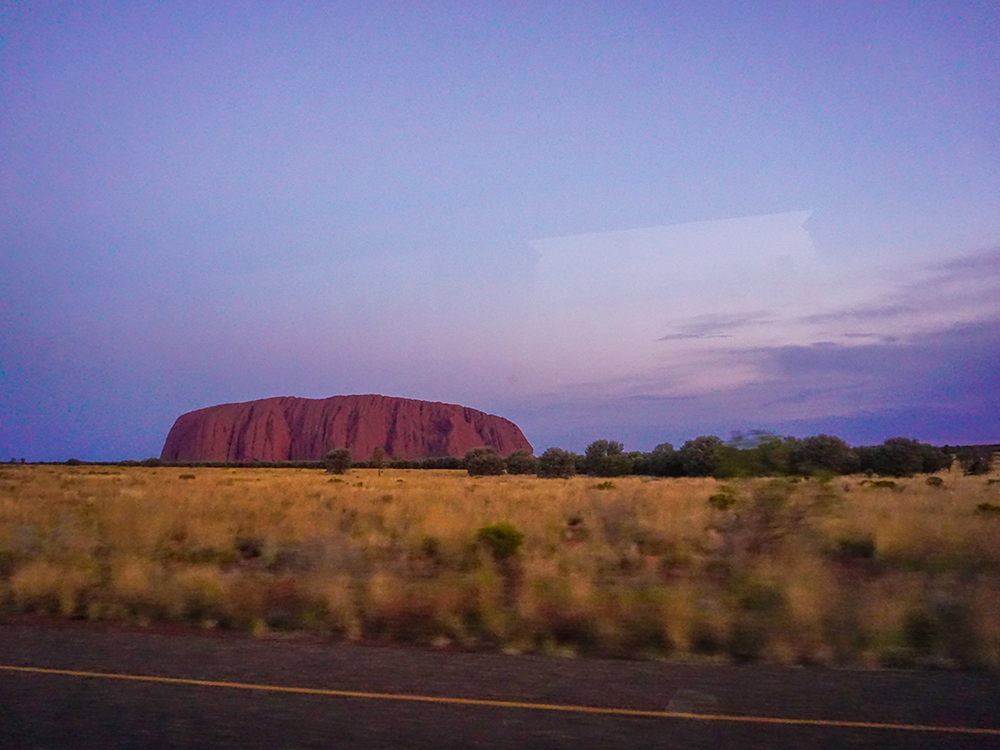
[[935, 482], [481, 462], [607, 458], [556, 462], [663, 461], [700, 457], [826, 453], [722, 500], [502, 540], [976, 461], [338, 461], [521, 462]]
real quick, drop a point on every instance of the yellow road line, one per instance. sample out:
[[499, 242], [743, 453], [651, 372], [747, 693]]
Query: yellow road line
[[567, 708]]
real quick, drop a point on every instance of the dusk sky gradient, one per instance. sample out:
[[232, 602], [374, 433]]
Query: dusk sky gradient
[[638, 221]]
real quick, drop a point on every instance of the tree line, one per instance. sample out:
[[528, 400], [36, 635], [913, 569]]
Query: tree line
[[759, 454], [753, 455]]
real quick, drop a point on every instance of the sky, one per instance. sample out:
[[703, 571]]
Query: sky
[[641, 222]]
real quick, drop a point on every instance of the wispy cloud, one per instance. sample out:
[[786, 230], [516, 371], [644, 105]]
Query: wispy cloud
[[942, 387], [868, 313], [714, 326], [928, 345], [978, 265]]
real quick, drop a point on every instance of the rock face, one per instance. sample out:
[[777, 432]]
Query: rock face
[[306, 429]]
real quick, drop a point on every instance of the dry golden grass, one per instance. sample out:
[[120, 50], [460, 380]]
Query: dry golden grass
[[793, 572]]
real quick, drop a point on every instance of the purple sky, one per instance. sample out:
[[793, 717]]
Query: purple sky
[[640, 222]]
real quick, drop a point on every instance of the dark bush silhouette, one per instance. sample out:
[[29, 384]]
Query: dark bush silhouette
[[481, 462], [338, 461], [700, 457], [606, 458], [935, 459], [440, 462], [826, 453], [975, 461], [777, 455], [521, 462], [664, 461], [902, 457], [555, 462]]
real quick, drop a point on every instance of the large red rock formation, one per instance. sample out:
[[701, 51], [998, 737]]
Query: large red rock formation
[[306, 429]]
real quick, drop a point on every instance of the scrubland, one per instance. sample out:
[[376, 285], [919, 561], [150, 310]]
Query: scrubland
[[839, 571]]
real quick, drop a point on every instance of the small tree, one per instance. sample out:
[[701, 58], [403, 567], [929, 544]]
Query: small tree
[[485, 461], [935, 459], [377, 461], [556, 462], [776, 456], [827, 453], [521, 462], [700, 457], [338, 461], [976, 461], [664, 461], [896, 457], [606, 458]]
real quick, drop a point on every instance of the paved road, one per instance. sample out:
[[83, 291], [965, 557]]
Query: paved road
[[210, 701]]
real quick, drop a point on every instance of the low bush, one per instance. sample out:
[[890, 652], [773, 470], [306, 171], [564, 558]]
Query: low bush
[[501, 539], [482, 462], [856, 547], [722, 500], [557, 463], [338, 461], [521, 462]]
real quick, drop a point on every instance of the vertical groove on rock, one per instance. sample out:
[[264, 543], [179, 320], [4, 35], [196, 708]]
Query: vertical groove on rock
[[390, 438]]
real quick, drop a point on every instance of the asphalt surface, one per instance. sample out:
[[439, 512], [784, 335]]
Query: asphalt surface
[[243, 699]]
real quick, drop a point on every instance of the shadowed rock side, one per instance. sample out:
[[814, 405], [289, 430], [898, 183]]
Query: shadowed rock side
[[305, 429]]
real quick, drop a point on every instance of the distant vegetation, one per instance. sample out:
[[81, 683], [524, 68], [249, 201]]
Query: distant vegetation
[[759, 454], [338, 461], [480, 462], [817, 570]]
